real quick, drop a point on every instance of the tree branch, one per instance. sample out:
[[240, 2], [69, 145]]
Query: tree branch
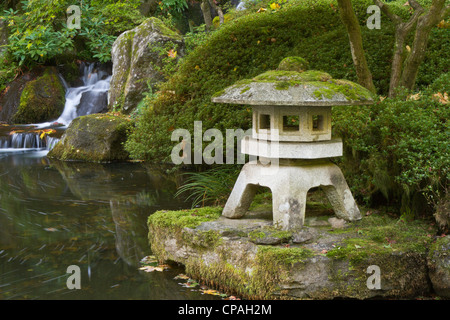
[[414, 4], [387, 11]]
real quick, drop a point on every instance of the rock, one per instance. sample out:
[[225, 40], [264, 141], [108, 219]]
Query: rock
[[337, 223], [93, 102], [94, 138], [304, 235], [41, 99], [137, 57], [439, 266], [334, 265]]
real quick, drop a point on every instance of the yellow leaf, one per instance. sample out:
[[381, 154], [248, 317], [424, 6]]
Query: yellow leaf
[[408, 48], [274, 6], [211, 292]]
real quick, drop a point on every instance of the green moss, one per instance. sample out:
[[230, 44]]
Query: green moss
[[163, 29], [41, 100], [94, 138], [270, 232], [293, 76], [351, 90], [244, 90], [184, 218], [376, 236], [293, 64], [283, 256]]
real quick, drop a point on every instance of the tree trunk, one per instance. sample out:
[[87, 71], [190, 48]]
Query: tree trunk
[[402, 29], [206, 10], [219, 11], [424, 25], [350, 21]]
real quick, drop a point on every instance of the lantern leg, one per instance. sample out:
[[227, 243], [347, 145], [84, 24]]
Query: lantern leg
[[241, 197], [288, 208]]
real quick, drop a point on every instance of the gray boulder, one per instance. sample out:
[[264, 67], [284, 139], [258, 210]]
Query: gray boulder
[[439, 266], [138, 57]]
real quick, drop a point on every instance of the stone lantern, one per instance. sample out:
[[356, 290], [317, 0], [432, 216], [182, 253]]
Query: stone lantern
[[291, 136]]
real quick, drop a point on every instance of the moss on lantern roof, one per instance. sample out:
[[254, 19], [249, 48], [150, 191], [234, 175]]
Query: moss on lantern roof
[[293, 64], [288, 87]]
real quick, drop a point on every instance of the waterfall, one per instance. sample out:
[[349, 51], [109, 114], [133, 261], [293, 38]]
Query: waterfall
[[89, 96]]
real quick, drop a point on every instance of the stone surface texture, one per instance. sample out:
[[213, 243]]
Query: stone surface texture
[[329, 261], [137, 57], [93, 138]]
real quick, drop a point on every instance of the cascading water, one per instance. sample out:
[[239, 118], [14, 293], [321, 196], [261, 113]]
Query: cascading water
[[90, 96]]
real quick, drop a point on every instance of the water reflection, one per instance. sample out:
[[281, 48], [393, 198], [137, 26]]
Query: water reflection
[[54, 214]]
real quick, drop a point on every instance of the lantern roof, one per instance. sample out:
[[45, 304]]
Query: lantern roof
[[292, 85]]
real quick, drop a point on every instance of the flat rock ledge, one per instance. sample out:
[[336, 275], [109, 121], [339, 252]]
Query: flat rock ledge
[[377, 257]]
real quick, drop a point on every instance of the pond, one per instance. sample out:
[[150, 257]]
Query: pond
[[55, 214]]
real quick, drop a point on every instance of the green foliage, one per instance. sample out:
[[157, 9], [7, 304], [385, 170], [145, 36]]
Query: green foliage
[[209, 187], [38, 31], [196, 38], [8, 70], [398, 147], [119, 16], [34, 36], [253, 44]]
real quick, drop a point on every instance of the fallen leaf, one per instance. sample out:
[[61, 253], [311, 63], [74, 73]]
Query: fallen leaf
[[159, 268], [147, 260], [211, 292], [442, 98], [172, 54]]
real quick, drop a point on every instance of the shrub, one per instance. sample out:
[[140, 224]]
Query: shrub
[[255, 43], [38, 31], [399, 148]]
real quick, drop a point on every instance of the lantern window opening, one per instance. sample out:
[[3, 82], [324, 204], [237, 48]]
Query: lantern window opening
[[264, 121], [291, 123], [318, 122]]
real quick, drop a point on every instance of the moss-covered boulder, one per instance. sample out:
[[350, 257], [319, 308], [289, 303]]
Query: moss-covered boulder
[[139, 57], [439, 266], [94, 138], [233, 256], [42, 99]]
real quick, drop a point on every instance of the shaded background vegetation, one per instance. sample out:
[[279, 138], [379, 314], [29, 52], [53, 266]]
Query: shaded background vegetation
[[396, 151]]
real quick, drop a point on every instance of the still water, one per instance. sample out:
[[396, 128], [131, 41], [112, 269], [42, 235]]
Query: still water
[[55, 214]]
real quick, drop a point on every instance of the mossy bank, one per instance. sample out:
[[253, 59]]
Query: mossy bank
[[324, 260]]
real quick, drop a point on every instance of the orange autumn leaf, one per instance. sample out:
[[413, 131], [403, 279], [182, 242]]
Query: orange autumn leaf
[[172, 54]]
